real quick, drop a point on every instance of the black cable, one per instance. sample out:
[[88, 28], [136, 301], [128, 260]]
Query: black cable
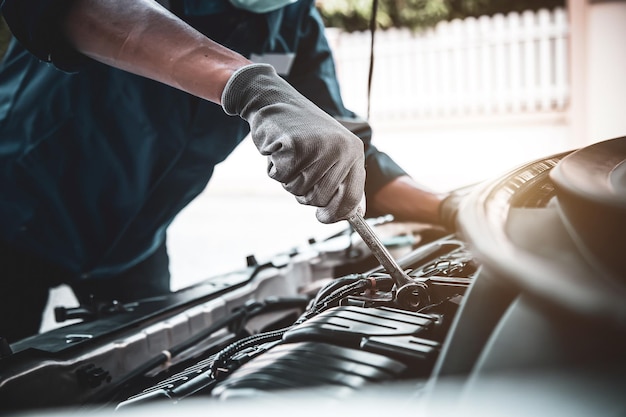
[[336, 283], [371, 68], [229, 351], [336, 291], [340, 293], [381, 282], [327, 302]]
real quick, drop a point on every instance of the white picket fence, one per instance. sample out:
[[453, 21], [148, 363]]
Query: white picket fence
[[501, 65]]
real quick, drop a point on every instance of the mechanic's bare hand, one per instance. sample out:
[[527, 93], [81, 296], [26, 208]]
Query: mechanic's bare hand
[[312, 155]]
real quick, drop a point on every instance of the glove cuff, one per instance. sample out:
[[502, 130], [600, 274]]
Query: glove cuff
[[245, 83], [448, 210]]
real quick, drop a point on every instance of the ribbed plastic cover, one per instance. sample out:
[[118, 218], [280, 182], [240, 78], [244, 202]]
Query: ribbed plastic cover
[[308, 364], [348, 325]]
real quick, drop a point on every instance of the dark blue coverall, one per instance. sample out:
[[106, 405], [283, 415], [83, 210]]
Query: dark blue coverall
[[96, 162]]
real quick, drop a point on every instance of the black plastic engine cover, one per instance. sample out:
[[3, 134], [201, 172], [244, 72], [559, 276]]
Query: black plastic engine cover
[[348, 325], [306, 364], [347, 346]]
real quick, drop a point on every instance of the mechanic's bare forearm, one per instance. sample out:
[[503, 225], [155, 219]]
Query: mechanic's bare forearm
[[142, 37], [407, 201]]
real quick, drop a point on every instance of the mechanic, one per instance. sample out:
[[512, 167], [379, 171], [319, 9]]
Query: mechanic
[[113, 115]]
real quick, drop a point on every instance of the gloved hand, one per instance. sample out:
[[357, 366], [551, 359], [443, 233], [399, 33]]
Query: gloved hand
[[448, 210], [312, 155], [449, 207]]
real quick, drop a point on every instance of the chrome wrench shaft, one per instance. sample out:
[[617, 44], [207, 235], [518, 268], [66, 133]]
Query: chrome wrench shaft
[[378, 249]]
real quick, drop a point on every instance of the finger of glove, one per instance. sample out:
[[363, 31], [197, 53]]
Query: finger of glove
[[318, 173], [324, 188], [326, 162], [346, 199], [448, 210], [301, 155]]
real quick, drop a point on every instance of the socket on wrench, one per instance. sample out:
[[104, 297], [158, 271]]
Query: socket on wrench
[[409, 294]]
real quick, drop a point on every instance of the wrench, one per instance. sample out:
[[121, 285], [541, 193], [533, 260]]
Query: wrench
[[409, 293]]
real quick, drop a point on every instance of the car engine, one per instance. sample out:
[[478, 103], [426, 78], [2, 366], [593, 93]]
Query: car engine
[[531, 283]]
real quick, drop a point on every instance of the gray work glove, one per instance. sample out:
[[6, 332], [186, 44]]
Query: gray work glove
[[309, 153], [449, 207]]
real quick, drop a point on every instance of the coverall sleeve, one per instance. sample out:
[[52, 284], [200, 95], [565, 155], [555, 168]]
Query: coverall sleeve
[[35, 24], [313, 74]]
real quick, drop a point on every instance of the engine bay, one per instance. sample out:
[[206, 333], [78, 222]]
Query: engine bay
[[513, 290]]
